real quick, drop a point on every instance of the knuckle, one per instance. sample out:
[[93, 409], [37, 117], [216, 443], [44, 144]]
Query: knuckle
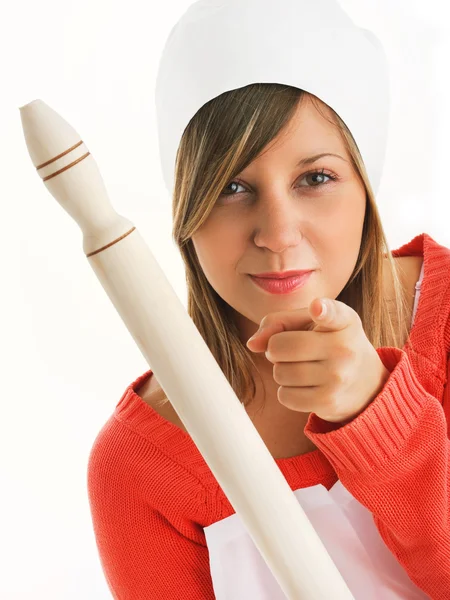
[[344, 353], [339, 351], [331, 403], [285, 396], [337, 378], [278, 372], [271, 347]]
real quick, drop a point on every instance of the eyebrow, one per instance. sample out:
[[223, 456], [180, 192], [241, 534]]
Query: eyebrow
[[311, 159]]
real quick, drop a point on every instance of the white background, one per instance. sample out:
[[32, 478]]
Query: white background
[[66, 355]]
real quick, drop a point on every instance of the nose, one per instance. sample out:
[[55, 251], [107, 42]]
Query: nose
[[278, 225]]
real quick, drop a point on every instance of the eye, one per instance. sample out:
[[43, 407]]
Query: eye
[[322, 175], [235, 183]]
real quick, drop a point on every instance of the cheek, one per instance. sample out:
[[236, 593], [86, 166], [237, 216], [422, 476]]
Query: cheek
[[219, 253], [347, 210], [338, 262], [340, 232]]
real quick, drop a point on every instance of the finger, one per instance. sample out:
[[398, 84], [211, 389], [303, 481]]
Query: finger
[[300, 374], [337, 316], [277, 322], [298, 346], [304, 399]]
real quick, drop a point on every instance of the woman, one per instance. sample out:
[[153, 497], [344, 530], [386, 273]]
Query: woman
[[364, 401]]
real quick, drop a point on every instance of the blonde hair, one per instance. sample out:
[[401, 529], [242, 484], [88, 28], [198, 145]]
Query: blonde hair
[[222, 138]]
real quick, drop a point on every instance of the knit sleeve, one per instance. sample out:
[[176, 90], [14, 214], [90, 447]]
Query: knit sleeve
[[145, 554], [394, 459]]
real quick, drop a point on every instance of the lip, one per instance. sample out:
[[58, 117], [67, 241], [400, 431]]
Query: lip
[[283, 275], [286, 285]]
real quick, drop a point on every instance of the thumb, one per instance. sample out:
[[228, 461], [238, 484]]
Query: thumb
[[336, 316], [323, 313], [319, 309]]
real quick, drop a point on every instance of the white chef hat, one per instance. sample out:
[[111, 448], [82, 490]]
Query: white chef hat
[[221, 45]]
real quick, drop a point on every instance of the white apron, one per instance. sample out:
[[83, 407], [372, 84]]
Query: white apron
[[348, 532]]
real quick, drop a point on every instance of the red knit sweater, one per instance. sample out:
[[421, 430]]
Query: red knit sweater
[[151, 493]]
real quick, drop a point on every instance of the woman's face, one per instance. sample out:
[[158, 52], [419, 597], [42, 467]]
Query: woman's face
[[277, 215]]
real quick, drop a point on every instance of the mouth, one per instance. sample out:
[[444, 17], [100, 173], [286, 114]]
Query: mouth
[[281, 274], [285, 285]]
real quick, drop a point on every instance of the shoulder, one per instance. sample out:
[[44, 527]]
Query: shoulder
[[408, 268], [153, 394], [411, 266], [150, 391]]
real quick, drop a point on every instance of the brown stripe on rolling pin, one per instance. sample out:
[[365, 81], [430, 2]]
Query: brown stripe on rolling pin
[[49, 162], [111, 243], [66, 167]]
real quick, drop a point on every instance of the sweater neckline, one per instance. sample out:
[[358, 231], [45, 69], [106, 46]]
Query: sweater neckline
[[301, 470]]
